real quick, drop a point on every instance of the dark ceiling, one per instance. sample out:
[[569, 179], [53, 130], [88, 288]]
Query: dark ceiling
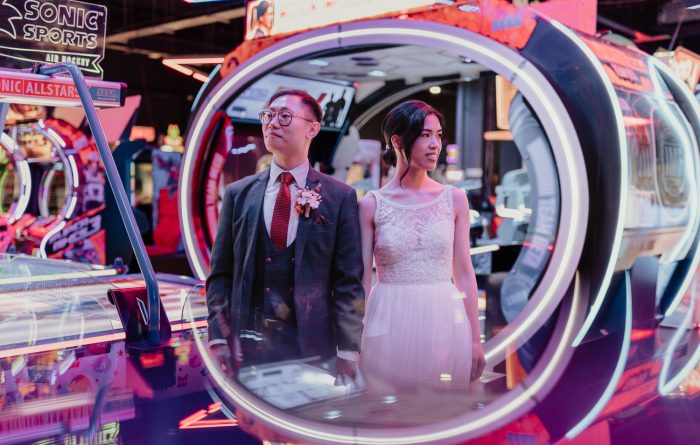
[[167, 95], [154, 30]]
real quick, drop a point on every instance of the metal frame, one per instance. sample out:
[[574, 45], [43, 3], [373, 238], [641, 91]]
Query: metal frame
[[153, 301]]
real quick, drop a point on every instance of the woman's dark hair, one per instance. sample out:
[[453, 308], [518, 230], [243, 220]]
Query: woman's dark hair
[[406, 120], [260, 10]]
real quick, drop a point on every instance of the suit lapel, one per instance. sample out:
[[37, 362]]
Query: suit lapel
[[304, 226], [253, 212]]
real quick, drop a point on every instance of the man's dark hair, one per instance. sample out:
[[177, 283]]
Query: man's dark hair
[[306, 99]]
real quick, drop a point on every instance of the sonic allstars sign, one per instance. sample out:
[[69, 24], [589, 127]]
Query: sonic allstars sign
[[42, 31]]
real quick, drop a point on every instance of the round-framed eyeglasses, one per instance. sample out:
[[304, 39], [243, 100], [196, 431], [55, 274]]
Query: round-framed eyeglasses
[[283, 117]]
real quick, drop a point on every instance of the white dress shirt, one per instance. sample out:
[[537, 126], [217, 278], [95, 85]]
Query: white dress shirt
[[273, 188]]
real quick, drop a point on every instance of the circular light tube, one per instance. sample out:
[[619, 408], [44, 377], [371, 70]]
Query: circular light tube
[[533, 85]]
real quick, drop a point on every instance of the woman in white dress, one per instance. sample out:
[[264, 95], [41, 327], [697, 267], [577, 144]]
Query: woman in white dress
[[421, 320]]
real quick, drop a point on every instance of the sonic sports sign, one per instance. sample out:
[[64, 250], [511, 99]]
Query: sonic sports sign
[[42, 31]]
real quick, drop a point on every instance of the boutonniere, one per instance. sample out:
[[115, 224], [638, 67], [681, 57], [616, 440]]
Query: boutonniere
[[307, 199]]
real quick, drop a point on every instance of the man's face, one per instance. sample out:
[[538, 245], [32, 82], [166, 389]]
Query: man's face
[[292, 138]]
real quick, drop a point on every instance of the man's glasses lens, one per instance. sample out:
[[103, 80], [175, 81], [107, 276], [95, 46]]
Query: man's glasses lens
[[283, 117]]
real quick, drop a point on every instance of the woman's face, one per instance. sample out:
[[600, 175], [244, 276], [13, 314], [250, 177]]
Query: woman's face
[[426, 149], [266, 19]]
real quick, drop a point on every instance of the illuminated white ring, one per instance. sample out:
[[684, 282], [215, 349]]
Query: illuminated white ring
[[70, 171], [624, 163], [666, 383], [526, 77], [515, 403], [694, 225], [25, 181], [619, 370], [533, 85]]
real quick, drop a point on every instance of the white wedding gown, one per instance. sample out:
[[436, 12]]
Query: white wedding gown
[[416, 334]]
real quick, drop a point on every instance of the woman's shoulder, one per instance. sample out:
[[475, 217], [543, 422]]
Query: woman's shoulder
[[368, 207], [369, 201], [459, 199]]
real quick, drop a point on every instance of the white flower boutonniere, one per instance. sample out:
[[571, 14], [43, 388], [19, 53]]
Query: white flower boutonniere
[[307, 199]]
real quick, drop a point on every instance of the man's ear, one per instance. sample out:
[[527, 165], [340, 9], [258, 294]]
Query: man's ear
[[314, 130]]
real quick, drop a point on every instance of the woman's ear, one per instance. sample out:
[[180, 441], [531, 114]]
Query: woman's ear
[[396, 142]]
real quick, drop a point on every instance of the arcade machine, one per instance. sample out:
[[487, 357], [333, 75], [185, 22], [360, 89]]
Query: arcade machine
[[603, 203], [79, 343], [69, 199], [15, 192]]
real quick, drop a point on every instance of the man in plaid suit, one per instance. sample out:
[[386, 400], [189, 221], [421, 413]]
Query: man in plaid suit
[[286, 265]]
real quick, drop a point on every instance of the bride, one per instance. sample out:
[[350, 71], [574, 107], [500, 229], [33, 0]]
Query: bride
[[421, 320]]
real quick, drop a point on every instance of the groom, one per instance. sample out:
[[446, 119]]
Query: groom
[[286, 274]]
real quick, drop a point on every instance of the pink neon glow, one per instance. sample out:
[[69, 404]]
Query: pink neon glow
[[62, 345], [633, 121], [177, 67], [537, 246], [214, 407], [196, 420], [193, 60], [176, 327], [210, 424], [178, 64]]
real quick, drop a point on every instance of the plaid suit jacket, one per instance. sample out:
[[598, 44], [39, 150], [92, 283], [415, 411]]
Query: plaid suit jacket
[[328, 292]]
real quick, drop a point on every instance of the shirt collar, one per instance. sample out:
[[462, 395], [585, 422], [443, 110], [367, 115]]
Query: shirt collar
[[300, 173]]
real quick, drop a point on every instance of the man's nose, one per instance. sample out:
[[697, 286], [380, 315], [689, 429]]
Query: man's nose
[[274, 121]]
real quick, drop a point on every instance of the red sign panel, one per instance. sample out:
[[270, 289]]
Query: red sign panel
[[22, 87]]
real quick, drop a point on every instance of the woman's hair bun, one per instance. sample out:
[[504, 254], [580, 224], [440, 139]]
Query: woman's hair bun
[[389, 156]]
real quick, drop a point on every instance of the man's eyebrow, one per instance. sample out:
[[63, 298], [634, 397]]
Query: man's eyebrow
[[279, 108]]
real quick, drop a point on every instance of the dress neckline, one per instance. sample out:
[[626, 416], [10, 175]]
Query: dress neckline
[[413, 206]]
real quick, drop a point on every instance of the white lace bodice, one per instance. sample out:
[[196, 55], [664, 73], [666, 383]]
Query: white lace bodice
[[414, 243]]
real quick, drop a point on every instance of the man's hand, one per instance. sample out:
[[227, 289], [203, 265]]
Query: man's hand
[[346, 371], [222, 357], [478, 362]]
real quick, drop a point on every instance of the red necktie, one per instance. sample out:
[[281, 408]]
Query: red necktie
[[280, 215]]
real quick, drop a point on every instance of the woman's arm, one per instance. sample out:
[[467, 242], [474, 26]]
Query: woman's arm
[[465, 278], [368, 206]]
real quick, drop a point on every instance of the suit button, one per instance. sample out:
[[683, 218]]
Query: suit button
[[292, 260], [291, 290], [267, 290], [268, 260]]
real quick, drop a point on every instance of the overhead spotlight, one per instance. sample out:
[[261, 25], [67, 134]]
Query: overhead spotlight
[[377, 73], [435, 89], [319, 62], [691, 4]]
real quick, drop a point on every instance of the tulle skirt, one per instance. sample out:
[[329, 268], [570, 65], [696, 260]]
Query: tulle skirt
[[416, 336]]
